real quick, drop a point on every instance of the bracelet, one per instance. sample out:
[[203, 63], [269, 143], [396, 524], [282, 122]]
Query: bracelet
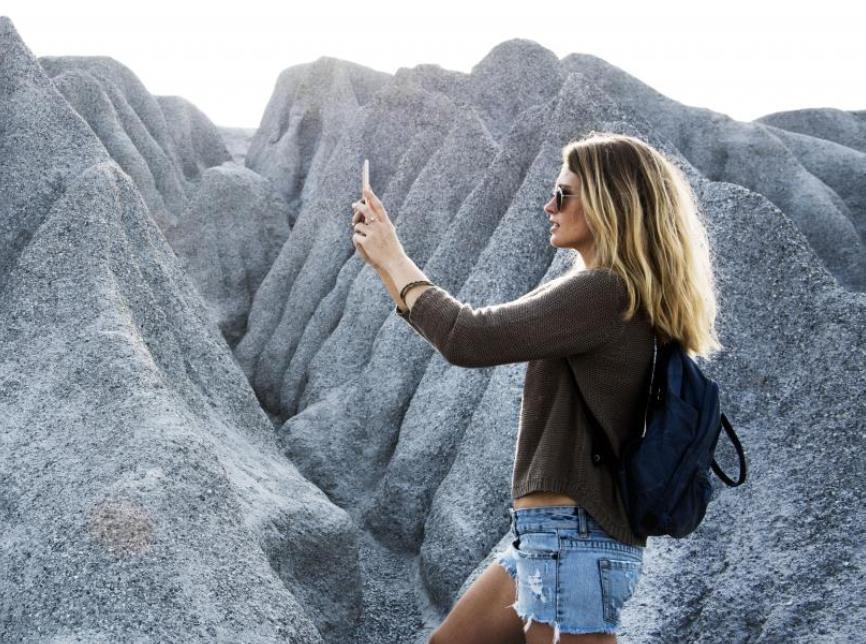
[[408, 286]]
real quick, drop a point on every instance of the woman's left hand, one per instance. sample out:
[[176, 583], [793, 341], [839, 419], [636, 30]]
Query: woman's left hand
[[376, 238]]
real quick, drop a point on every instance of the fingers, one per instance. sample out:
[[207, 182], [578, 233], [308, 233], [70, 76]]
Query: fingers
[[358, 213], [359, 225], [366, 214], [358, 219], [374, 203], [371, 198]]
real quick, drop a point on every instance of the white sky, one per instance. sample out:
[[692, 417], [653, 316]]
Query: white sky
[[744, 59]]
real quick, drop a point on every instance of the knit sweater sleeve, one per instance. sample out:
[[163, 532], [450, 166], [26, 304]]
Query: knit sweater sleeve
[[571, 315]]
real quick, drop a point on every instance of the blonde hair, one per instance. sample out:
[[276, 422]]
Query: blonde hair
[[648, 228]]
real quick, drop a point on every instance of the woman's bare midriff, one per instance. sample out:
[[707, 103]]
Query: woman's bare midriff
[[537, 499]]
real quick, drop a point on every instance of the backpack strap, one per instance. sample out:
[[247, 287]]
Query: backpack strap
[[650, 393], [737, 446]]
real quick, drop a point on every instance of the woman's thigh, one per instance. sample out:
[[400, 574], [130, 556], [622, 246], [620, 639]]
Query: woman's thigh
[[484, 614]]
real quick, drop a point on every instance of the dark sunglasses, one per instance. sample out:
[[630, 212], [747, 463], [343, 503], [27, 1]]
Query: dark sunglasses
[[560, 195]]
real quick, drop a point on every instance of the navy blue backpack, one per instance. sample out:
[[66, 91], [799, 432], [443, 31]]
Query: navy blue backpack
[[663, 473]]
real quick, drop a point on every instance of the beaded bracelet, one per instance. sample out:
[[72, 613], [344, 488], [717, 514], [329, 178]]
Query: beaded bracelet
[[408, 286]]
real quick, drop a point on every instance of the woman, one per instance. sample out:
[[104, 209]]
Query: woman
[[587, 337]]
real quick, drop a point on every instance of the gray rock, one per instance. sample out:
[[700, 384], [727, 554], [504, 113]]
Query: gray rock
[[839, 126], [312, 105], [172, 152], [141, 492], [129, 122], [198, 142], [842, 169], [237, 141], [227, 240]]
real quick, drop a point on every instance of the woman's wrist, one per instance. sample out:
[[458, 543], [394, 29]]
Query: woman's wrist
[[401, 272]]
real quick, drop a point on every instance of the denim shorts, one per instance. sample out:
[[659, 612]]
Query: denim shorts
[[569, 572]]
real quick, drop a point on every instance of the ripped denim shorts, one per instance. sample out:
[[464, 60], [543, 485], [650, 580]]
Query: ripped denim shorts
[[569, 572]]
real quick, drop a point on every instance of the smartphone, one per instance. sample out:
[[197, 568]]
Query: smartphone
[[365, 178]]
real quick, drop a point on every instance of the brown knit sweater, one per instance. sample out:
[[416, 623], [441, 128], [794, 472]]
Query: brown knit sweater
[[571, 333]]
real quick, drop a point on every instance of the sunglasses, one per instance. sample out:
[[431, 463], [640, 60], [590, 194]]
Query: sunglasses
[[560, 195]]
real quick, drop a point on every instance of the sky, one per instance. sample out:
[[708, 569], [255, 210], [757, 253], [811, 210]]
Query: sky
[[744, 59]]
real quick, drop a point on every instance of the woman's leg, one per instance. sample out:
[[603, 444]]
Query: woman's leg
[[484, 614]]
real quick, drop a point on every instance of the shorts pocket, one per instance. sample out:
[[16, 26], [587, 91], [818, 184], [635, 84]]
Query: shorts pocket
[[536, 564], [618, 580], [536, 545]]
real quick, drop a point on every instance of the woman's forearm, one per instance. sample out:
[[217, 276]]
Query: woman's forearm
[[399, 273], [392, 289]]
